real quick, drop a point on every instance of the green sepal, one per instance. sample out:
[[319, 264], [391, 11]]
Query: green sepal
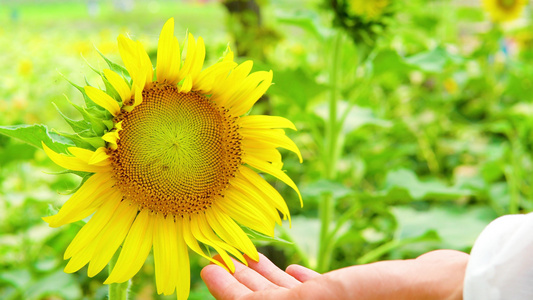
[[120, 70], [97, 125], [78, 140], [90, 66], [36, 134], [76, 125], [109, 124], [110, 90], [257, 236], [84, 176], [78, 173], [88, 101], [96, 142]]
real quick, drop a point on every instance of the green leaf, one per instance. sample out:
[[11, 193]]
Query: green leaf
[[399, 182], [296, 85], [387, 61], [13, 152], [323, 186], [35, 134], [307, 20], [433, 61], [17, 278], [458, 227], [58, 283]]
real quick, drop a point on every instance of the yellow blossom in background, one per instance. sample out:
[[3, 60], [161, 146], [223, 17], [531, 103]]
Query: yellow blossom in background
[[450, 85], [368, 9], [25, 67], [178, 166], [504, 10]]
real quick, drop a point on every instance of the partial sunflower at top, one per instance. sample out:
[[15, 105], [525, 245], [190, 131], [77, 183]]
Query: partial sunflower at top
[[363, 20], [174, 166], [504, 10]]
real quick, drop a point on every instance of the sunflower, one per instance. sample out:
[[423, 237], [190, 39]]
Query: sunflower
[[504, 10], [367, 9], [176, 166]]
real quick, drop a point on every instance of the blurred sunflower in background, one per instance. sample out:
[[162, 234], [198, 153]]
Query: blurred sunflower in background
[[504, 10], [369, 10], [169, 163], [363, 20]]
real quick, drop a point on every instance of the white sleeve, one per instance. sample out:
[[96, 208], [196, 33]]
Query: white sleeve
[[501, 261]]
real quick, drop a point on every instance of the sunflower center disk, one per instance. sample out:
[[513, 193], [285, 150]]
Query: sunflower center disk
[[507, 3], [176, 152]]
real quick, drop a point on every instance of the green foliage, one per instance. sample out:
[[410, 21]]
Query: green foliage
[[412, 141]]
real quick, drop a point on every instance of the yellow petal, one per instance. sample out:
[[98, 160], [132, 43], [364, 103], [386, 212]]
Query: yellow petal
[[198, 233], [112, 237], [192, 242], [209, 76], [235, 205], [189, 57], [104, 100], [268, 168], [111, 138], [136, 61], [168, 54], [165, 254], [245, 88], [99, 157], [90, 231], [128, 52], [229, 55], [232, 83], [230, 232], [267, 154], [77, 262], [255, 198], [184, 269], [274, 137], [186, 85], [265, 122], [118, 84], [246, 104], [199, 57], [136, 248], [84, 201], [73, 163], [213, 239], [263, 186], [145, 64]]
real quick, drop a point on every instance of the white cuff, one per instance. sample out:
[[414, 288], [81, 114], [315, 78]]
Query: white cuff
[[501, 262]]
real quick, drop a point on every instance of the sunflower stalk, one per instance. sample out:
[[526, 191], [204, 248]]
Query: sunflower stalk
[[118, 291], [332, 136]]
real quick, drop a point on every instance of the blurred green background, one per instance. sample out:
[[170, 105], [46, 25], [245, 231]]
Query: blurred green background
[[414, 121]]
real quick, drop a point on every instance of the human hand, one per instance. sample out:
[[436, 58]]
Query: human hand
[[434, 275]]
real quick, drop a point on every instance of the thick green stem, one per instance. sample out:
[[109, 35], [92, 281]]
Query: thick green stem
[[332, 126], [331, 154], [117, 291]]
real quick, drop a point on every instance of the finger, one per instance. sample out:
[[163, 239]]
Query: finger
[[301, 273], [271, 272], [221, 284], [252, 279]]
